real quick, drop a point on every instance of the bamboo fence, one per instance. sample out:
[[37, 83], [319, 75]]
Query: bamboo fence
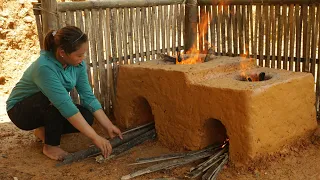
[[279, 34]]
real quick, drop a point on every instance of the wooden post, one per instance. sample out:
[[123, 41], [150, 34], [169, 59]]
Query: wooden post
[[191, 18], [49, 16]]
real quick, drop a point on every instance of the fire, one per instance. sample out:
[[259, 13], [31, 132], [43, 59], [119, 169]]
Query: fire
[[194, 52]]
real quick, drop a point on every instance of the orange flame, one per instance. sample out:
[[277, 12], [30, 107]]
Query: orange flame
[[193, 51]]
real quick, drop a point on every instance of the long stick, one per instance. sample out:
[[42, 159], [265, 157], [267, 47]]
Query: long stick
[[82, 154], [173, 156], [167, 165]]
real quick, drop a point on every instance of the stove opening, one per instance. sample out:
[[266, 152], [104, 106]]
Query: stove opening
[[214, 132]]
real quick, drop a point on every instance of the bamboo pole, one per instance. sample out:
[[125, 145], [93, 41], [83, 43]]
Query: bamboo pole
[[235, 32], [100, 55], [267, 32], [206, 35], [255, 2], [167, 13], [219, 30], [146, 34], [318, 71], [136, 37], [126, 34], [279, 43], [257, 19], [158, 28], [88, 32], [120, 35], [305, 47], [141, 29], [298, 36], [152, 15], [190, 35], [246, 30], [213, 26], [273, 26], [285, 35], [292, 33], [48, 15], [240, 28], [81, 5], [200, 30], [179, 23], [94, 54], [108, 95], [163, 29], [229, 32], [130, 34], [223, 29], [251, 29], [261, 35], [313, 39], [37, 14]]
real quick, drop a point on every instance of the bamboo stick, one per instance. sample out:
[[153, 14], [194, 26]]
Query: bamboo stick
[[292, 33], [255, 2], [246, 30], [183, 28], [126, 34], [267, 32], [101, 65], [64, 6], [305, 47], [142, 33], [158, 28], [49, 21], [94, 54], [261, 35], [120, 35], [256, 32], [206, 36], [313, 39], [88, 32], [146, 34], [136, 37], [168, 24], [251, 30], [298, 36], [273, 26], [130, 34], [229, 32], [279, 43], [109, 95], [285, 35], [179, 22], [152, 15], [318, 71], [79, 18], [214, 27], [223, 29], [162, 15], [219, 30], [240, 27], [114, 36], [200, 30]]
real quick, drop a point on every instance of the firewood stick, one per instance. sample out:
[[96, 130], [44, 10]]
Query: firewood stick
[[82, 154], [173, 155], [207, 164], [167, 165], [213, 172], [134, 142]]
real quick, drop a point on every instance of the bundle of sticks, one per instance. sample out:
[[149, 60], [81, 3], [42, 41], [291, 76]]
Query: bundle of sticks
[[130, 139], [217, 157]]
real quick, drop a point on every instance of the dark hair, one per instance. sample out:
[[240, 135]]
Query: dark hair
[[69, 38]]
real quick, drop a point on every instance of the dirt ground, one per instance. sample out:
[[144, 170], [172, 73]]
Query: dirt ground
[[20, 152]]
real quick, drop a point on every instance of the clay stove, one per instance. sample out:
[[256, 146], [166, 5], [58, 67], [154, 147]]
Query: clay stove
[[194, 105]]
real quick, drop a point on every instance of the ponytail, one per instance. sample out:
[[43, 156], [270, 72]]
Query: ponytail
[[48, 43]]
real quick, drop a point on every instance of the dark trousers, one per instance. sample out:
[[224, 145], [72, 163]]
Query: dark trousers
[[36, 111]]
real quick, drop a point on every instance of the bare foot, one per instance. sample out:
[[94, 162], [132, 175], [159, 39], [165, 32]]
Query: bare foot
[[39, 133], [54, 152]]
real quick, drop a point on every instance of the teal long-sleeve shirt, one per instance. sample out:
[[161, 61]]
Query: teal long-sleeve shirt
[[47, 75]]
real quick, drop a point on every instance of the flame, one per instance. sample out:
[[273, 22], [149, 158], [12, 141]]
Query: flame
[[193, 51]]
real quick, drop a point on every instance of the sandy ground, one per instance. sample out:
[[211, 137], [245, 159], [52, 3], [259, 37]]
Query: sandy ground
[[20, 152]]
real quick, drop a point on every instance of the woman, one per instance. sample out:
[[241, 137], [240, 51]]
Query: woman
[[41, 100]]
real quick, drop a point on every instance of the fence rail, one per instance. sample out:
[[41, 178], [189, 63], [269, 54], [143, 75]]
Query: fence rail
[[279, 34]]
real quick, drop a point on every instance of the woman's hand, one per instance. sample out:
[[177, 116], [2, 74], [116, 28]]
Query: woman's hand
[[113, 131], [104, 145]]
